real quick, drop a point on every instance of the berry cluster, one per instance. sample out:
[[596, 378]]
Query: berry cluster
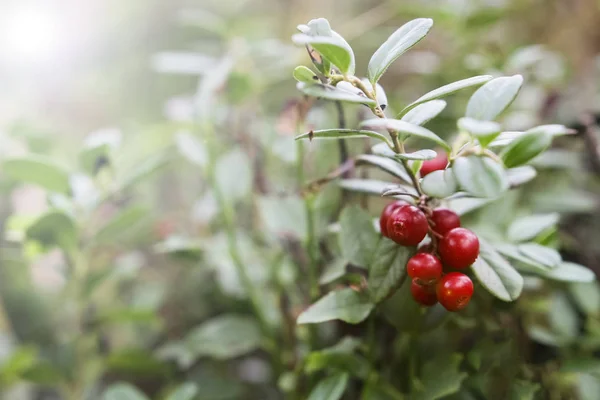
[[451, 248]]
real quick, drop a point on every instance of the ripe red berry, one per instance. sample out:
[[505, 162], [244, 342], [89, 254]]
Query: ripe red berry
[[459, 248], [425, 295], [407, 226], [454, 291], [385, 215], [444, 220], [425, 268], [436, 164]]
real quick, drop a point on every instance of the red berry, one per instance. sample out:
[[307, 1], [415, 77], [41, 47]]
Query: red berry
[[444, 220], [459, 248], [407, 226], [422, 294], [425, 268], [454, 291], [385, 215], [438, 163]]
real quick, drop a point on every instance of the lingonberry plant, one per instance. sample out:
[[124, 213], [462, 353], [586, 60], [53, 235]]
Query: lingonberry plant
[[422, 247]]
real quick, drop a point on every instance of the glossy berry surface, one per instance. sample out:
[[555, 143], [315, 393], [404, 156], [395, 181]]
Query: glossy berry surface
[[385, 215], [407, 226], [444, 220], [454, 291], [438, 163], [425, 295], [425, 268], [459, 248]]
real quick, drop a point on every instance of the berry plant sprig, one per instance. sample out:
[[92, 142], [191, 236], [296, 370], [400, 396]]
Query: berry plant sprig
[[421, 233]]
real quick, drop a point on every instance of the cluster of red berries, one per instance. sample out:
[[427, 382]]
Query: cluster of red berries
[[451, 248]]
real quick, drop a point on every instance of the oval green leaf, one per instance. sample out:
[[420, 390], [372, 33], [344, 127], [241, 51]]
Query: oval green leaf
[[490, 100], [484, 131], [333, 48], [388, 270], [480, 176], [385, 164], [570, 272], [528, 227], [446, 90], [346, 305], [304, 74], [541, 254], [425, 112], [405, 129], [331, 388], [440, 184], [39, 171], [397, 44], [497, 275], [525, 148]]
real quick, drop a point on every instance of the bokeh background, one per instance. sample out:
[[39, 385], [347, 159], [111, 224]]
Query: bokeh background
[[118, 94]]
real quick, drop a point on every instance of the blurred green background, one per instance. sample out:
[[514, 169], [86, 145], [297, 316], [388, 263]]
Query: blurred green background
[[136, 251]]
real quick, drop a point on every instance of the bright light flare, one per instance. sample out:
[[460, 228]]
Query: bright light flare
[[34, 35]]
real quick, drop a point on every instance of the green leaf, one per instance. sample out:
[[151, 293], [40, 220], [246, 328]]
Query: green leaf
[[342, 134], [333, 47], [340, 357], [186, 391], [484, 131], [441, 377], [331, 388], [570, 272], [512, 252], [525, 148], [488, 102], [123, 391], [520, 175], [54, 228], [122, 223], [523, 390], [563, 317], [587, 297], [445, 91], [191, 148], [388, 270], [496, 274], [304, 74], [405, 129], [480, 176], [541, 254], [39, 171], [385, 164], [346, 305], [333, 271], [440, 184], [358, 238], [552, 130], [425, 154], [329, 92], [233, 174], [528, 227], [224, 337], [424, 112], [397, 44]]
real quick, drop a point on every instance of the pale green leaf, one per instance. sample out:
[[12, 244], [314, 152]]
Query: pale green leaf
[[304, 74], [333, 47], [570, 272], [385, 164], [525, 148], [425, 112], [480, 176], [331, 388], [490, 100], [123, 391], [528, 227], [346, 305], [405, 129], [39, 171], [440, 184], [441, 377], [541, 254], [186, 391], [446, 90], [388, 269], [358, 238], [496, 274], [397, 44]]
